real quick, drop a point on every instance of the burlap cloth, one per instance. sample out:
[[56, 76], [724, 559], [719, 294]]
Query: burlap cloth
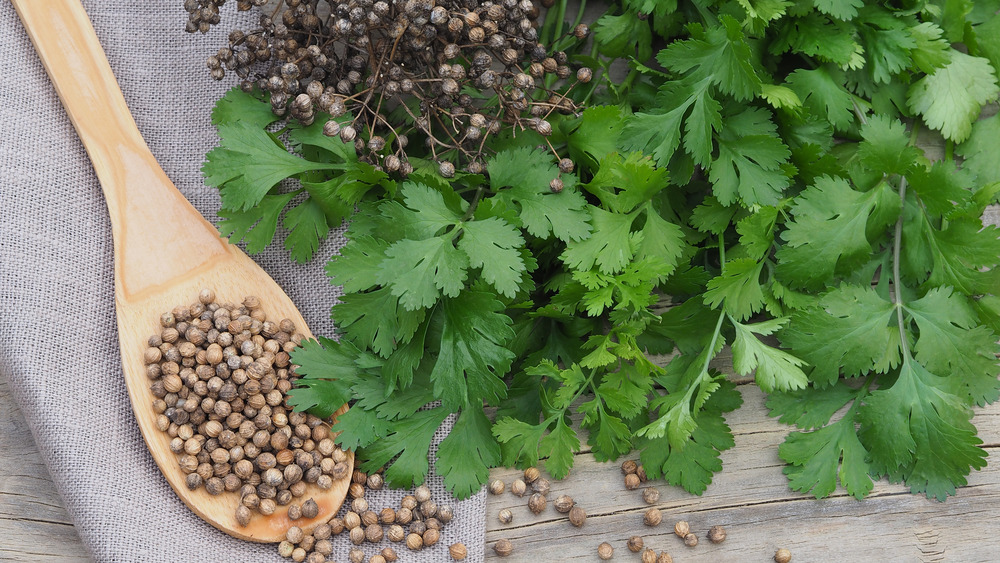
[[58, 341]]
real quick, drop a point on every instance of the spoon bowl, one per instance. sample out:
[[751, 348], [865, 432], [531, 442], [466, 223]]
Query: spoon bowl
[[165, 251]]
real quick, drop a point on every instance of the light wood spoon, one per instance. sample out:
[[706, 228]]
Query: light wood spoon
[[165, 251]]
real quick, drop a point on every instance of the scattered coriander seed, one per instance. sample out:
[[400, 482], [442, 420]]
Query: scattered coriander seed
[[375, 481], [536, 503], [652, 517], [389, 554], [242, 515], [519, 488], [682, 528], [691, 540], [387, 515], [294, 534], [651, 495], [267, 506], [298, 555], [357, 535], [782, 556], [577, 516], [308, 542], [640, 471], [316, 557], [632, 481], [323, 546], [635, 544], [352, 520], [629, 466], [414, 542], [310, 509], [377, 558], [395, 533], [648, 556], [431, 537], [563, 503], [458, 551], [503, 547], [356, 556], [541, 485], [505, 516], [409, 502], [285, 549], [374, 533], [716, 534], [664, 557], [422, 493], [531, 474], [359, 505], [605, 551], [497, 487], [294, 512], [445, 514]]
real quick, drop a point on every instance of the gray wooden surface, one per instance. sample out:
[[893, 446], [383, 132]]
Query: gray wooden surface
[[750, 498]]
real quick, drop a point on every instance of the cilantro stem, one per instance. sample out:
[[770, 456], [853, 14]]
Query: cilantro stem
[[897, 297], [474, 204]]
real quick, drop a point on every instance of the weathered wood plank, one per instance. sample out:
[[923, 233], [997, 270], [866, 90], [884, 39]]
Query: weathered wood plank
[[34, 525], [752, 500]]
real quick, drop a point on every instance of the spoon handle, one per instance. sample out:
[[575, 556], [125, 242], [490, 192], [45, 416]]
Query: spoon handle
[[158, 235]]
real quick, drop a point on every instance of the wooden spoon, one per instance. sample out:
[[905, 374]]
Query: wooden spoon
[[165, 251]]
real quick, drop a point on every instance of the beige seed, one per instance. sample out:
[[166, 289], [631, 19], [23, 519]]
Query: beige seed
[[497, 487], [563, 503], [632, 481], [531, 474], [431, 537], [648, 556], [505, 516], [294, 534], [682, 528], [782, 556], [457, 551], [357, 535], [503, 547], [635, 544], [652, 517], [605, 551], [691, 540], [664, 557], [537, 503], [242, 515], [389, 554], [651, 495], [414, 542], [577, 516], [716, 534], [519, 488]]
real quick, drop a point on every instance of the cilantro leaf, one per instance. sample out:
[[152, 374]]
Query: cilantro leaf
[[848, 329], [359, 428], [327, 371], [917, 428], [465, 456], [248, 163], [518, 441], [526, 173], [376, 320], [950, 99], [610, 247], [408, 443], [624, 35], [419, 271], [494, 246], [840, 9], [239, 106], [307, 225], [356, 267], [559, 445], [748, 167], [981, 151], [596, 133], [721, 56], [658, 133], [886, 146], [823, 95], [819, 458], [776, 370], [623, 183], [737, 288], [810, 407], [472, 355], [256, 226], [816, 35]]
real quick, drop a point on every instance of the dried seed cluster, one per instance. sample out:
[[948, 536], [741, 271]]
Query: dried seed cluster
[[219, 375], [474, 67], [417, 522]]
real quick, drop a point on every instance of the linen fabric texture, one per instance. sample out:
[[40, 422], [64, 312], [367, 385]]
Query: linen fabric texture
[[58, 338]]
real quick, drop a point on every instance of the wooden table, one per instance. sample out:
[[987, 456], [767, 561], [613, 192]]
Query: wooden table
[[750, 498]]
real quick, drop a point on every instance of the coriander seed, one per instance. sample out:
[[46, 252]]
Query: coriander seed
[[635, 544], [632, 481], [541, 485], [652, 517], [374, 533], [422, 494], [396, 533], [577, 516], [531, 474], [445, 514], [640, 471], [682, 528], [285, 549], [664, 557], [497, 487], [316, 557], [505, 516], [389, 554], [628, 467], [563, 503], [536, 503], [294, 534], [414, 542], [431, 537], [651, 495], [648, 556], [716, 534], [782, 556], [691, 540], [298, 555], [375, 481], [605, 551], [356, 555], [503, 547], [310, 509], [357, 535], [457, 551], [352, 520], [242, 515], [519, 488], [377, 558]]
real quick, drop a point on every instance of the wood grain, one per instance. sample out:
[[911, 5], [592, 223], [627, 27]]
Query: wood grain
[[165, 251]]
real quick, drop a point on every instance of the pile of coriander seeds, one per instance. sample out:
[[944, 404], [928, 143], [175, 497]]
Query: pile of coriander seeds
[[219, 373]]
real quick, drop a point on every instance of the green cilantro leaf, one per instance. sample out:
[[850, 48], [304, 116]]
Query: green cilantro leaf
[[776, 370], [419, 271], [239, 106], [596, 133], [518, 441], [623, 36], [981, 151], [376, 320], [359, 428], [810, 407], [472, 356], [255, 226], [658, 133], [610, 247], [823, 95], [327, 370], [886, 146], [950, 99], [819, 458], [840, 9], [737, 288], [408, 443], [494, 246], [307, 225], [750, 156], [356, 267], [931, 51], [465, 456], [623, 183], [847, 330], [722, 56], [559, 445]]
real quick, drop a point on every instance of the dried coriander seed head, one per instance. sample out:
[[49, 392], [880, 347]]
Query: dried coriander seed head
[[691, 540], [716, 534], [651, 495], [577, 516], [652, 517], [682, 528], [503, 547], [635, 544], [497, 487], [605, 551], [782, 556]]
